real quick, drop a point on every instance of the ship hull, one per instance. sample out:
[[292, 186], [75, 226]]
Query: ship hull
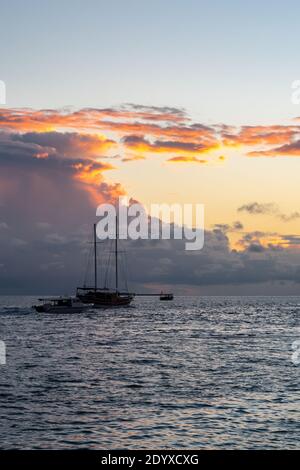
[[105, 299]]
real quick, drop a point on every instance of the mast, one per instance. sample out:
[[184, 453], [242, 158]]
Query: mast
[[95, 256], [116, 253]]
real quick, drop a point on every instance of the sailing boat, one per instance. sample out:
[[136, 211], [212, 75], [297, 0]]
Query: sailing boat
[[104, 297]]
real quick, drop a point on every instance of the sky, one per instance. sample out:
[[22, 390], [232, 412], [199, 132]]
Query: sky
[[162, 101]]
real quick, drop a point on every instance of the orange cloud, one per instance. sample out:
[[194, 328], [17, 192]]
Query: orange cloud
[[259, 135], [288, 150], [142, 145], [186, 159], [140, 131], [258, 242], [90, 172], [171, 128], [177, 132], [24, 119], [133, 158], [90, 175]]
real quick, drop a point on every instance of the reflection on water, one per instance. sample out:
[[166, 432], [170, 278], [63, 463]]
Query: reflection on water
[[213, 372]]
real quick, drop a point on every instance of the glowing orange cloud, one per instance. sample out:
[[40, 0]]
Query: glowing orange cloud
[[141, 131], [186, 159], [165, 124], [260, 135], [25, 119], [196, 133], [133, 158], [288, 150], [141, 145], [91, 172], [260, 241], [91, 176]]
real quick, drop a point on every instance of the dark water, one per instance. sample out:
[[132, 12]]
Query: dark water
[[193, 373]]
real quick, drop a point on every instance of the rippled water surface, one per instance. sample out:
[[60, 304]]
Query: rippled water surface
[[212, 372]]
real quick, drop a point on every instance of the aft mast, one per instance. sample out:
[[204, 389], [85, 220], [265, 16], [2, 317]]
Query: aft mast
[[116, 254], [95, 257]]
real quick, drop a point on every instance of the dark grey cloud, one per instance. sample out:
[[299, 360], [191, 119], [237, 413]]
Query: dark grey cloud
[[255, 208], [169, 264], [54, 260], [225, 228]]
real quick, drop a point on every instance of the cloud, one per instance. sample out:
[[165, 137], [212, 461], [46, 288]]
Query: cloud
[[43, 225], [142, 145], [225, 228], [69, 144], [258, 135], [146, 130], [162, 113], [186, 159], [264, 141], [24, 119], [53, 166], [256, 208], [18, 242], [133, 158], [3, 226], [170, 130], [287, 150], [55, 263], [272, 241], [289, 217], [24, 156], [256, 248], [217, 264], [52, 260]]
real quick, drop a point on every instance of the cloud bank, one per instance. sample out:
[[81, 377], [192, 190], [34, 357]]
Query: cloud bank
[[53, 167]]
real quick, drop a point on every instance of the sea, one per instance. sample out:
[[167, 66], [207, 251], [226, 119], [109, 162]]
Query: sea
[[192, 373]]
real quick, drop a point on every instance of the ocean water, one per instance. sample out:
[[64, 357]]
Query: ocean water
[[198, 372]]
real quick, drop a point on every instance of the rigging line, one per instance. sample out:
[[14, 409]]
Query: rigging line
[[87, 269], [108, 264], [123, 268], [127, 268], [105, 261]]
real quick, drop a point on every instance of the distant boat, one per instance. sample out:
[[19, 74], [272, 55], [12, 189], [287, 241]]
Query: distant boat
[[61, 305], [166, 296], [103, 297]]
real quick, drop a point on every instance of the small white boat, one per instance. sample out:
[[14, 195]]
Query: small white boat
[[61, 305]]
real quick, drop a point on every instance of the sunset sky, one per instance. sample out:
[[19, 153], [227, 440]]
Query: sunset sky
[[164, 101]]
